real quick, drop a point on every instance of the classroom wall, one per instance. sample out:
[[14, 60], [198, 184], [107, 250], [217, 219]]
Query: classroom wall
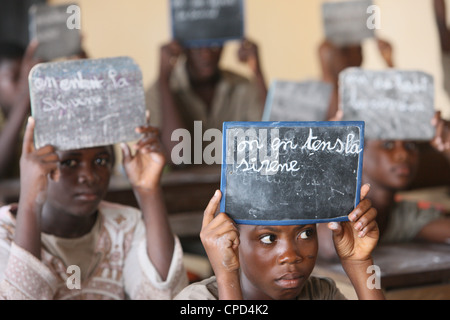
[[288, 33]]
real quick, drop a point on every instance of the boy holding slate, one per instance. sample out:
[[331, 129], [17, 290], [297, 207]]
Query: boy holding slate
[[391, 151], [275, 262], [192, 87], [62, 241], [62, 222], [279, 179]]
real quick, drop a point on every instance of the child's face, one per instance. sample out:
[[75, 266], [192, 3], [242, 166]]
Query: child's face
[[276, 261], [203, 63], [83, 181], [9, 78], [390, 164]]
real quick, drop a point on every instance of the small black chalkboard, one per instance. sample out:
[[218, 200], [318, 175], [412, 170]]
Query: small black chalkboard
[[280, 173], [86, 103], [207, 22], [51, 26], [346, 22], [297, 101], [395, 104]]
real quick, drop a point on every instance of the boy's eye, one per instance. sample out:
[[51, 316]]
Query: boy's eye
[[101, 161], [306, 234], [268, 239], [388, 145], [69, 163], [410, 146]]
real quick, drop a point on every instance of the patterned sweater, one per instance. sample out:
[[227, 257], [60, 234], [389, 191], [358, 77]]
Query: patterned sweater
[[119, 267]]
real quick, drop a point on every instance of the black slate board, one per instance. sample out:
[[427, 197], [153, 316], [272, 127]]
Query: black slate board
[[345, 22], [207, 22], [86, 103], [279, 173], [48, 24], [395, 104]]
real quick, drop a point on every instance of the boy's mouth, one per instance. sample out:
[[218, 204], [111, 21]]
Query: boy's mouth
[[290, 280]]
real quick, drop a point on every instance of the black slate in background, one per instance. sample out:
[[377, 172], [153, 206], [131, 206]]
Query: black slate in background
[[297, 101], [345, 22], [86, 103], [48, 24], [395, 104], [325, 188], [207, 22], [14, 20]]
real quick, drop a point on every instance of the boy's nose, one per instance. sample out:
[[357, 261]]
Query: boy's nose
[[290, 254], [87, 176]]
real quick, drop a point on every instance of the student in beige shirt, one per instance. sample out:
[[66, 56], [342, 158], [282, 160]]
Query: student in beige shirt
[[62, 241], [191, 86]]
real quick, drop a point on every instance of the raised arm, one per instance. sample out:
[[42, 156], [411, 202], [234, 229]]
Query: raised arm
[[354, 242], [171, 117], [19, 112], [144, 170], [441, 22], [220, 238], [35, 167]]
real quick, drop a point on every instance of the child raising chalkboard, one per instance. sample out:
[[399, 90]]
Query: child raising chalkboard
[[192, 87], [62, 241], [275, 262], [390, 167]]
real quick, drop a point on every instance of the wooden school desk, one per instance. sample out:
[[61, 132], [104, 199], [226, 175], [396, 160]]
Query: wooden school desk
[[417, 271]]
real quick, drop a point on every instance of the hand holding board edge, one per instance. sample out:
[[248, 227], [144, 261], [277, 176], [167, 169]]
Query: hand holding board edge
[[297, 101], [48, 24], [206, 23], [345, 22], [395, 104], [280, 173], [87, 103]]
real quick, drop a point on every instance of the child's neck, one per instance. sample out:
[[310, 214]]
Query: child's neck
[[66, 225]]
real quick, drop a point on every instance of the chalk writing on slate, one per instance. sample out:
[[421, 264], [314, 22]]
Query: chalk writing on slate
[[86, 103], [207, 22], [395, 104], [279, 173], [48, 24], [345, 22], [297, 101]]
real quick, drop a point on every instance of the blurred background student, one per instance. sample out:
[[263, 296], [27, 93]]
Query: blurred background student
[[192, 86]]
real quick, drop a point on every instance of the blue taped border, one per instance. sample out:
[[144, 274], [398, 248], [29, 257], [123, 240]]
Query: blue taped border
[[208, 42], [278, 124]]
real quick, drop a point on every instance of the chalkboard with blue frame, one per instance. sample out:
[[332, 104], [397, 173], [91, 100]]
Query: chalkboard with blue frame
[[289, 173], [206, 23]]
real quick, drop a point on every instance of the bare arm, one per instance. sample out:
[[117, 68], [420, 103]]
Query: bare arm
[[249, 53], [441, 22], [35, 167], [171, 117], [10, 134], [144, 170]]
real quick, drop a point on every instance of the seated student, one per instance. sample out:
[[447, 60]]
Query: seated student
[[275, 262], [192, 87], [15, 64], [61, 222], [390, 167], [334, 59]]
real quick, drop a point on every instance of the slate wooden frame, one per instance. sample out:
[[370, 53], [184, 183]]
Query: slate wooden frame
[[207, 42], [289, 124]]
